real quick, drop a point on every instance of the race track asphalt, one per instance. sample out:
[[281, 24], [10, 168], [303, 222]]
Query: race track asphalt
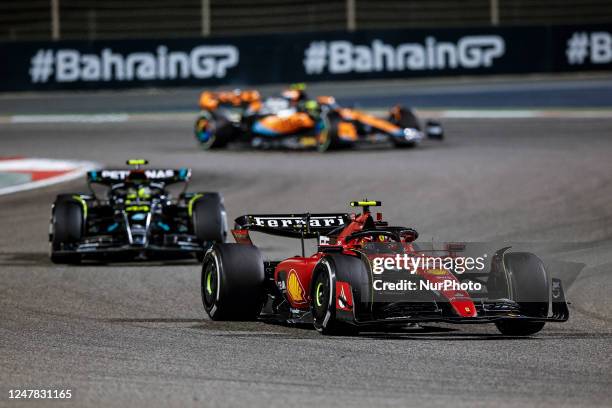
[[137, 335]]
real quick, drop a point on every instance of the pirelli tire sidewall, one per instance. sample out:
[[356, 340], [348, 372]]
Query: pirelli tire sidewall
[[66, 229], [221, 128], [210, 218], [530, 282], [237, 285], [343, 268], [328, 138]]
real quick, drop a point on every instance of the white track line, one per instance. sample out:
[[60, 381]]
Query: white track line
[[95, 118], [437, 113]]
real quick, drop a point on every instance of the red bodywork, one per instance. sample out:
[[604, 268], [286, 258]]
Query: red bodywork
[[295, 274]]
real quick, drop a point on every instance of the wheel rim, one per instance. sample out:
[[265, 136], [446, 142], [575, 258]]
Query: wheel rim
[[318, 295], [202, 133], [209, 283], [323, 139], [322, 296]]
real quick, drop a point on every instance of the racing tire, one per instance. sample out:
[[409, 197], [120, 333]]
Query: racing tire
[[323, 301], [67, 221], [529, 284], [213, 132], [405, 118], [232, 282], [403, 145], [328, 139], [209, 218]]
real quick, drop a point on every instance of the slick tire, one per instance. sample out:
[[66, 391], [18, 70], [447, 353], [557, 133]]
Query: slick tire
[[220, 128], [529, 282], [232, 282], [328, 139], [66, 228], [209, 218], [405, 118], [323, 298]]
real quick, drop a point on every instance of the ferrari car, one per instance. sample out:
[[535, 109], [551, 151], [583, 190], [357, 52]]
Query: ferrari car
[[133, 214], [293, 120], [338, 291]]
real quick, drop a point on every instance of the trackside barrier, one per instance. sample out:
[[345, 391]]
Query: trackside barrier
[[330, 56]]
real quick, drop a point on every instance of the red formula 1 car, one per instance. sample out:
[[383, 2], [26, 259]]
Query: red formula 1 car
[[339, 290], [293, 120]]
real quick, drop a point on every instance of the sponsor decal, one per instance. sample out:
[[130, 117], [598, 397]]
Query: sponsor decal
[[344, 297], [437, 272], [134, 208], [295, 290], [150, 174], [343, 57], [71, 65], [293, 222]]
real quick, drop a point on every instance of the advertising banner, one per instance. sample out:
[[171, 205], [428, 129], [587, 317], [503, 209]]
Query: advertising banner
[[303, 57]]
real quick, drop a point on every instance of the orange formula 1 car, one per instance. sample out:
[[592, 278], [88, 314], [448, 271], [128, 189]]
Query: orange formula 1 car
[[292, 120]]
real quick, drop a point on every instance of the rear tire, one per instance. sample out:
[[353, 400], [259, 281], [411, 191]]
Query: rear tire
[[213, 132], [209, 218], [328, 139], [233, 282], [66, 228], [529, 284]]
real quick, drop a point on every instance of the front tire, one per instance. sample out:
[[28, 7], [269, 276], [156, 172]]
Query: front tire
[[209, 218], [323, 303], [67, 221], [232, 282]]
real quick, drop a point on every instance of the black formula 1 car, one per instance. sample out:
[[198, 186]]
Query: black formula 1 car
[[131, 214], [293, 120], [342, 288]]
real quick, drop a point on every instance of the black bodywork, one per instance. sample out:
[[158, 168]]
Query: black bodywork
[[131, 214]]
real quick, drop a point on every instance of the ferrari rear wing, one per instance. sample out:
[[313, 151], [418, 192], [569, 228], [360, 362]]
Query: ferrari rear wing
[[288, 225]]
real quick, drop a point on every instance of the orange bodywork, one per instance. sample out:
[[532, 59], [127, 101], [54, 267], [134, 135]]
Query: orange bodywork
[[212, 100], [373, 121], [346, 130], [289, 124], [326, 100]]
